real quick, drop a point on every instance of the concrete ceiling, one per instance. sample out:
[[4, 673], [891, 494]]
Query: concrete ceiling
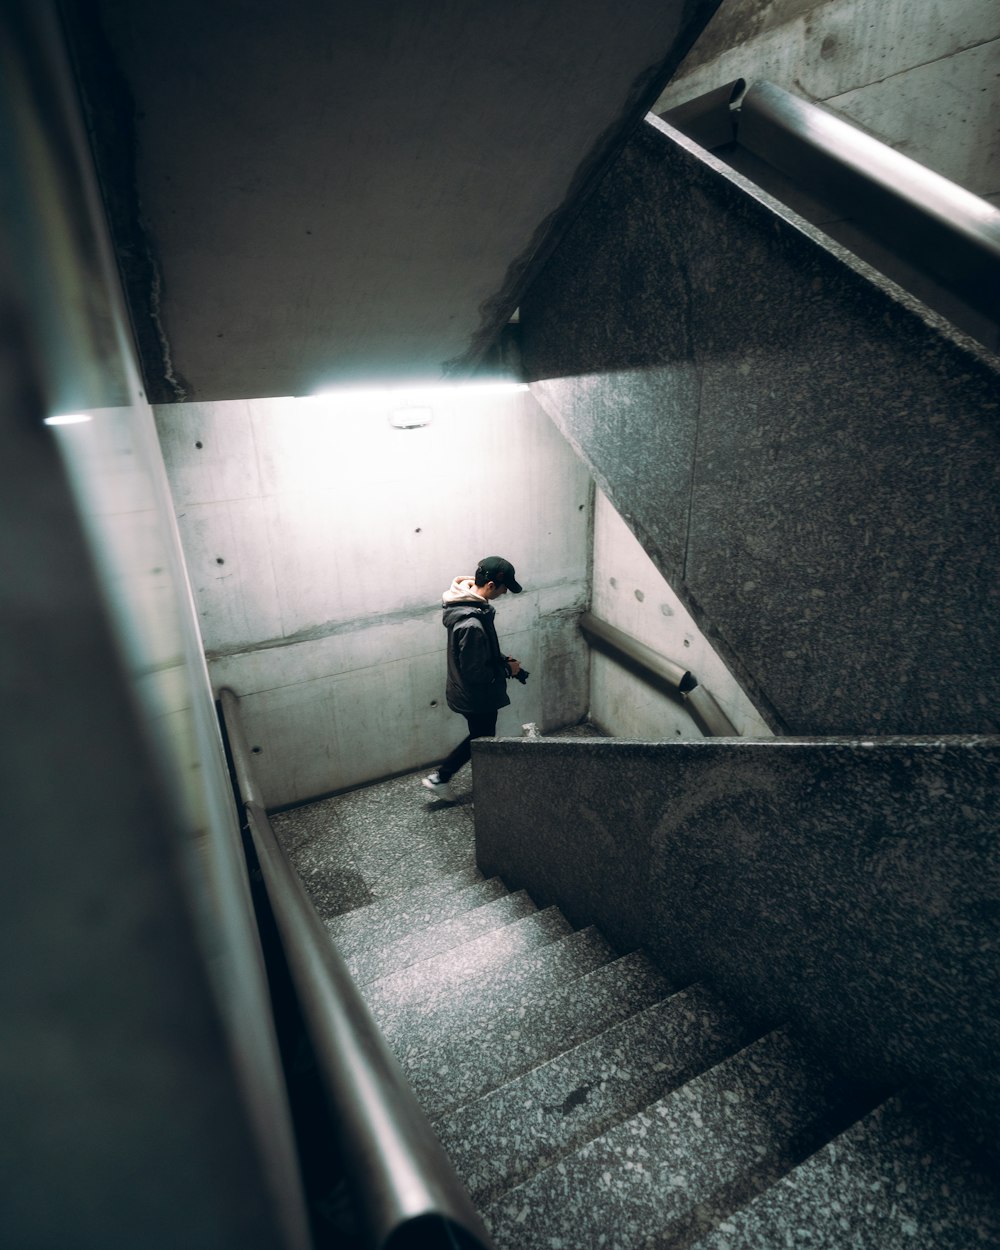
[[313, 193]]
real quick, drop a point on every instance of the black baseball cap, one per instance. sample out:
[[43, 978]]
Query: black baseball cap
[[497, 569]]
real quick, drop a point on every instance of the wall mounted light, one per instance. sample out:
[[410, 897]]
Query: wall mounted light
[[410, 418], [412, 407], [418, 393]]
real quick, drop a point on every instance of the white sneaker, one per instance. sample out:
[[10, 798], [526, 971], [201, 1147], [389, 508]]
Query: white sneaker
[[441, 788]]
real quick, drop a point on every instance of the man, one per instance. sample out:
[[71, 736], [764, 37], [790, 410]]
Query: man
[[477, 668]]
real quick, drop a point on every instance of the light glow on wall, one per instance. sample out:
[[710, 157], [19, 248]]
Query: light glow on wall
[[417, 396], [70, 418], [411, 407]]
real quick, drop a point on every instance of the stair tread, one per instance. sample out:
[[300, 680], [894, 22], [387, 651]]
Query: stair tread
[[399, 999], [440, 1008], [523, 1034], [892, 1180], [725, 1134], [372, 962], [386, 922], [440, 887], [338, 888], [502, 1139], [431, 853]]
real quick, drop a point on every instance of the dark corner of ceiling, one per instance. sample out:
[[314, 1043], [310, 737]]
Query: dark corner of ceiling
[[489, 347], [109, 115]]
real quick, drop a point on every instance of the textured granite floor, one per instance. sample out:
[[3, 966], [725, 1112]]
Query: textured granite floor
[[894, 1180], [526, 1125], [379, 842], [385, 840], [584, 1100], [742, 1121]]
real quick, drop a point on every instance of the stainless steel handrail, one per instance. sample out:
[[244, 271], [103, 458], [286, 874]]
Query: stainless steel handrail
[[953, 234], [658, 671], [398, 1171], [943, 230]]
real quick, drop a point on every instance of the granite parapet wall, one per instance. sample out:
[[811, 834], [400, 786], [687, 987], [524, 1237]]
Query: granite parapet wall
[[808, 455], [850, 886]]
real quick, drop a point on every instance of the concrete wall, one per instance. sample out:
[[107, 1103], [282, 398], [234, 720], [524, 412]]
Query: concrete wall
[[630, 593], [319, 540], [847, 886], [921, 77], [382, 175]]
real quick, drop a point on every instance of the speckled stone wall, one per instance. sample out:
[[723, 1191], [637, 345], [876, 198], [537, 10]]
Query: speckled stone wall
[[808, 455], [850, 886]]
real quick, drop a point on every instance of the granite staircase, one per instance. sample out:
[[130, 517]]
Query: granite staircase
[[586, 1101]]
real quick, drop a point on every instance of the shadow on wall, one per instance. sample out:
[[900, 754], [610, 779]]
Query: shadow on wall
[[809, 458]]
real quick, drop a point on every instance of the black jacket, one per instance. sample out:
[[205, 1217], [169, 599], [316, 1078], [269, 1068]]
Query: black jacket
[[477, 668]]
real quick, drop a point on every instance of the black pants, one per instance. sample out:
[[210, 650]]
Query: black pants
[[481, 725]]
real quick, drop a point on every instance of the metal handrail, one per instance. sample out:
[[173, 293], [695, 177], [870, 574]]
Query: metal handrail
[[399, 1174], [945, 231], [656, 670], [953, 234]]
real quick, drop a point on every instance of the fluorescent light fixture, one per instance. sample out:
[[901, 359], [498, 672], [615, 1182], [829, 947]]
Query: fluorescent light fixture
[[70, 418], [422, 395], [410, 418]]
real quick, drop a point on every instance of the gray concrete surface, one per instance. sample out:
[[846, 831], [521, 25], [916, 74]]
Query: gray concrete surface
[[630, 593], [319, 540], [920, 77], [305, 194]]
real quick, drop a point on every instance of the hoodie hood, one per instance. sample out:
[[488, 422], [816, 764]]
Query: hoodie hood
[[460, 599], [462, 590]]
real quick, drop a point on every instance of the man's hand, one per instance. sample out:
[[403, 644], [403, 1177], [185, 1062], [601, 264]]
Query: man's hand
[[515, 665]]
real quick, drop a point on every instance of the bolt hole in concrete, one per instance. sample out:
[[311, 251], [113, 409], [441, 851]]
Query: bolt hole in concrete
[[255, 750], [219, 560], [199, 446], [434, 702]]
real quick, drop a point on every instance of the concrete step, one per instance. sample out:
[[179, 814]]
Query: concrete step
[[479, 1055], [337, 887], [372, 962], [399, 1000], [439, 887], [501, 1140], [697, 1155], [388, 920], [893, 1181], [422, 1021]]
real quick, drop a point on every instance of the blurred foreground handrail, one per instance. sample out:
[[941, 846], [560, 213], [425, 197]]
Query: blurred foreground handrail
[[402, 1180]]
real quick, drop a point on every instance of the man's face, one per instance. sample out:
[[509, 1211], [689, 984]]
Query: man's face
[[492, 591]]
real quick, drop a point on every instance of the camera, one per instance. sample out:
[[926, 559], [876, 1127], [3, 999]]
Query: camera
[[521, 675]]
